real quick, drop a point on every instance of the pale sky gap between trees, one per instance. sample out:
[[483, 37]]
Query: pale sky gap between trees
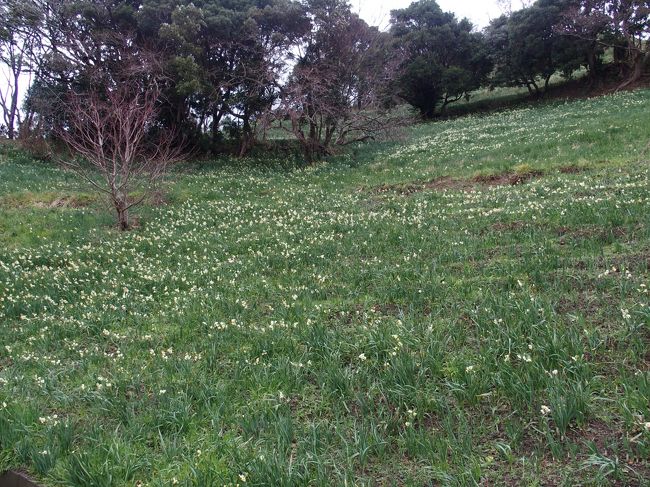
[[480, 12]]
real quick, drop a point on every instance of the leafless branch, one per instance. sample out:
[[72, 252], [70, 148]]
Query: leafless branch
[[114, 134]]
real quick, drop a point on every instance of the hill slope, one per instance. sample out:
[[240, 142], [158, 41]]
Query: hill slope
[[468, 306]]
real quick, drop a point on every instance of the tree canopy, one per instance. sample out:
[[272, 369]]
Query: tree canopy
[[228, 69], [445, 58]]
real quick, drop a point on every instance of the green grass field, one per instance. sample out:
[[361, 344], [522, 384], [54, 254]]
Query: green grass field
[[467, 306]]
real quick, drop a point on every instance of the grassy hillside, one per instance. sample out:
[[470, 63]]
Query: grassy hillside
[[468, 306]]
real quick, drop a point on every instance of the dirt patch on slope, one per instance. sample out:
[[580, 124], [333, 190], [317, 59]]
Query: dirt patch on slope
[[507, 179], [46, 200], [449, 183], [70, 202], [572, 169]]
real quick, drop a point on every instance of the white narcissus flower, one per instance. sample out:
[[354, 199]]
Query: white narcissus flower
[[545, 410]]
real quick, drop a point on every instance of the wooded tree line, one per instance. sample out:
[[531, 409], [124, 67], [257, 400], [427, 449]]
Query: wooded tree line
[[228, 70]]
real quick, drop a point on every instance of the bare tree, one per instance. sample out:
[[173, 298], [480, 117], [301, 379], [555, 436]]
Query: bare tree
[[123, 153], [623, 25], [335, 94]]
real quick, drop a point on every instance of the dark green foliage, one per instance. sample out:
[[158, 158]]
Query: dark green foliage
[[228, 58], [528, 46], [229, 70], [444, 58], [219, 59], [622, 25], [339, 80]]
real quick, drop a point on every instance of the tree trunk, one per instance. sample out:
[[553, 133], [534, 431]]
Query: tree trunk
[[308, 151], [445, 102], [641, 62], [592, 66], [123, 218], [535, 86], [122, 208], [448, 101], [530, 88], [245, 145], [11, 126], [217, 115], [329, 135], [312, 142], [11, 130], [547, 81], [247, 139]]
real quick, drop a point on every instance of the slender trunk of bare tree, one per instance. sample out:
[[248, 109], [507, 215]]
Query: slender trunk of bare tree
[[122, 209], [110, 130], [123, 219]]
